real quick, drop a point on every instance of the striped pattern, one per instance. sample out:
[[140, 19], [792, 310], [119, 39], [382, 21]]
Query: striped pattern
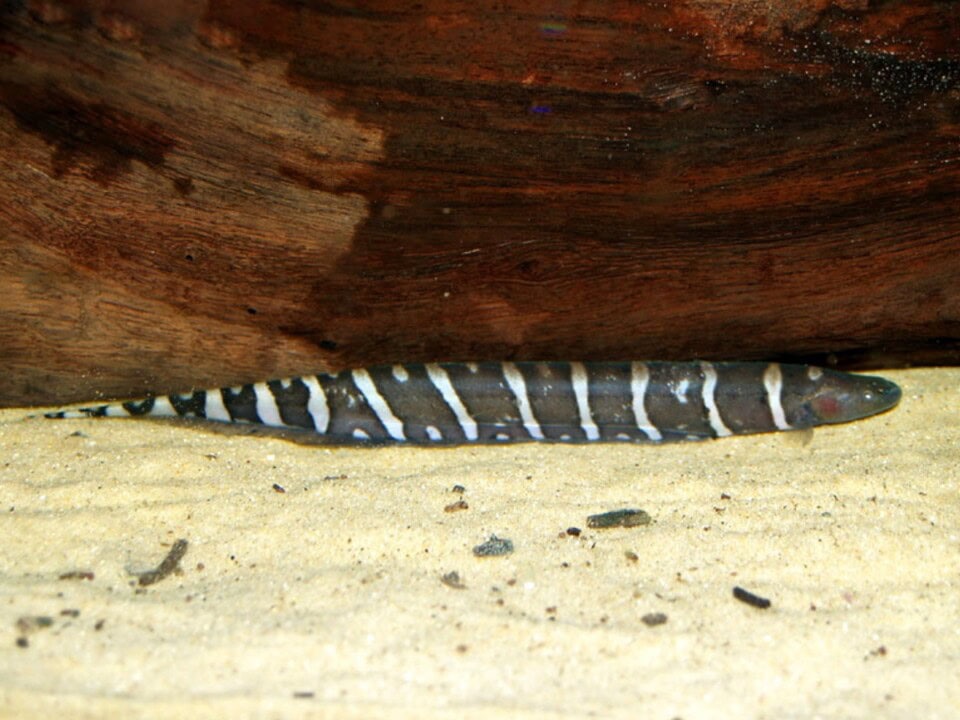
[[552, 401]]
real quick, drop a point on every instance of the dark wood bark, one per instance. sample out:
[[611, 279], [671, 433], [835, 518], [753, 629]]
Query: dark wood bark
[[200, 193]]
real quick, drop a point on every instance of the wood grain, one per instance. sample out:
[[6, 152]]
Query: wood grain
[[202, 193]]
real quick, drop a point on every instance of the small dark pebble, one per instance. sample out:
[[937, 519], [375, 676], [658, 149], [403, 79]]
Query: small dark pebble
[[745, 596], [77, 433], [452, 580], [654, 619], [99, 624], [304, 694], [169, 565], [22, 642], [279, 488], [70, 612], [456, 507], [631, 555], [493, 547], [31, 623], [458, 489], [573, 531], [76, 575], [619, 518]]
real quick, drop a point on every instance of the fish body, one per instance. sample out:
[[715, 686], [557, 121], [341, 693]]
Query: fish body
[[498, 402]]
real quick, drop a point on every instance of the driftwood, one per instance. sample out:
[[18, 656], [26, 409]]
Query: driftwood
[[201, 193]]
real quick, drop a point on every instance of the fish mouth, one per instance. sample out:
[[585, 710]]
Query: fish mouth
[[883, 394]]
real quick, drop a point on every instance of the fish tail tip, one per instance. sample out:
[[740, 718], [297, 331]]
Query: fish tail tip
[[70, 414]]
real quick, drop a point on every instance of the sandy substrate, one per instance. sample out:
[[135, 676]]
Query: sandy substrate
[[326, 600]]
